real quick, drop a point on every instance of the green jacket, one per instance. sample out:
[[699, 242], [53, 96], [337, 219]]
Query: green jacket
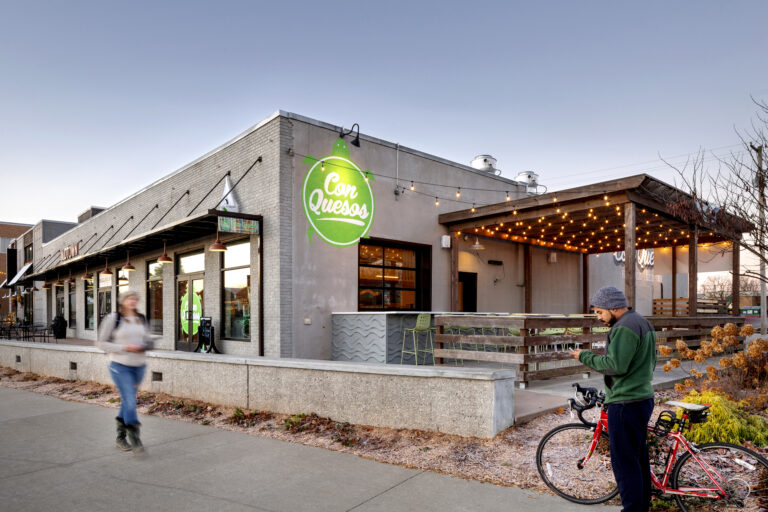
[[629, 360]]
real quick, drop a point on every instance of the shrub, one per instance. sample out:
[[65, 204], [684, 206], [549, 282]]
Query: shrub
[[728, 421]]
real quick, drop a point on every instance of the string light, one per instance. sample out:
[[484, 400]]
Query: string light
[[458, 193], [437, 202], [473, 208], [508, 198], [412, 187], [322, 165]]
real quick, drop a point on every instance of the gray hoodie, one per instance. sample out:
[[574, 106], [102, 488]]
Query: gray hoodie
[[131, 331]]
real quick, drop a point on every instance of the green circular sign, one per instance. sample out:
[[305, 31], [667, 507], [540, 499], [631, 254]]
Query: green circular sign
[[337, 197], [197, 312]]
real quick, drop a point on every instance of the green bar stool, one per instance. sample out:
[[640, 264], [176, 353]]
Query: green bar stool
[[423, 324]]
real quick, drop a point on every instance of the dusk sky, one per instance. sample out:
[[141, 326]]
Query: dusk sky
[[99, 99]]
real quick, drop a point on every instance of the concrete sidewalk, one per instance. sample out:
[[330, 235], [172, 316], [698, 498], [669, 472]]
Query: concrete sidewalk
[[59, 455]]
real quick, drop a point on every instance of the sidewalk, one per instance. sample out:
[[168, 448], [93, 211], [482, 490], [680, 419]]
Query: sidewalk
[[58, 455]]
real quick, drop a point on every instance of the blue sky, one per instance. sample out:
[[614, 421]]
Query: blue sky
[[99, 99]]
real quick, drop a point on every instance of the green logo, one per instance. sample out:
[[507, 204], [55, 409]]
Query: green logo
[[197, 312], [337, 197]]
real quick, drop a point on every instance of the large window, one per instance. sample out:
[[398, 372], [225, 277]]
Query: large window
[[122, 281], [59, 301], [88, 287], [155, 297], [72, 306], [393, 277], [105, 296], [236, 270]]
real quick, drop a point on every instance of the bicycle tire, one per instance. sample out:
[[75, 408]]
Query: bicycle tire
[[557, 456], [744, 477]]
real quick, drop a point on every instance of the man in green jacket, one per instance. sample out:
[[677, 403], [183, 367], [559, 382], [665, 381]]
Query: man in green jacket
[[627, 366]]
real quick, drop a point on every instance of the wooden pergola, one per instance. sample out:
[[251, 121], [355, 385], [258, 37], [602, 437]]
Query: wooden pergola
[[627, 214]]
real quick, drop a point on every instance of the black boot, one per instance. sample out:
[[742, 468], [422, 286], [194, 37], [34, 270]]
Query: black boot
[[122, 443], [133, 436]]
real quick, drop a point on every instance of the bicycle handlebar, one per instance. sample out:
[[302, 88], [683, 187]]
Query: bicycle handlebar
[[592, 397]]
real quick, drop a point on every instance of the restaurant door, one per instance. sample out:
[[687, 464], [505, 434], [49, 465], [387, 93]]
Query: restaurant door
[[468, 291], [190, 309]]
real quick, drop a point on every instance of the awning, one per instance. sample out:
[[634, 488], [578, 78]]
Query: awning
[[2, 285], [20, 274]]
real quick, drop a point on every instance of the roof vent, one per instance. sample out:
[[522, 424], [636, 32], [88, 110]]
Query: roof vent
[[530, 180], [485, 163]]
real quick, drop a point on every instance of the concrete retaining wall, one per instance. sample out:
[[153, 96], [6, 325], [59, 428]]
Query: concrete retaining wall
[[464, 401]]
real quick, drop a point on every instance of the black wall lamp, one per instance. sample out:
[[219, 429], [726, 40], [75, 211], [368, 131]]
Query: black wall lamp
[[356, 140]]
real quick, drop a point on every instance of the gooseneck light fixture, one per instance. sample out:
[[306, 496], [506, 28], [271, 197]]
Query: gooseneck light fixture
[[217, 246], [70, 280], [128, 267], [477, 246], [106, 270], [87, 276], [356, 141], [164, 258]]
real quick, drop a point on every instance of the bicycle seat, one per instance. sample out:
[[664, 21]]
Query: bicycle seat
[[687, 406]]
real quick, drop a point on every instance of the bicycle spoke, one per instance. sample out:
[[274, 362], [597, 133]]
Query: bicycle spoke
[[558, 458], [740, 473]]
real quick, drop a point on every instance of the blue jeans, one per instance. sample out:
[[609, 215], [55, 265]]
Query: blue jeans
[[628, 436], [127, 380]]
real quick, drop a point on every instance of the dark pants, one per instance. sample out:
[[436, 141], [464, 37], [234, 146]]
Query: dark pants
[[629, 452]]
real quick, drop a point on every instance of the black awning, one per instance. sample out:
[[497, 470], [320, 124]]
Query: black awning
[[20, 275], [177, 232]]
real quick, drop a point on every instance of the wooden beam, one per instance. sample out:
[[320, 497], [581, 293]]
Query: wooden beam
[[585, 283], [693, 271], [630, 253], [735, 288], [455, 273], [674, 281], [528, 277]]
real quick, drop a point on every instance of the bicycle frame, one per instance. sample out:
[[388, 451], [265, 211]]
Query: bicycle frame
[[663, 483]]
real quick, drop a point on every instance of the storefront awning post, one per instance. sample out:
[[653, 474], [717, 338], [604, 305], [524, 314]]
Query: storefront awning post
[[630, 220], [735, 287], [585, 283], [528, 277], [693, 270]]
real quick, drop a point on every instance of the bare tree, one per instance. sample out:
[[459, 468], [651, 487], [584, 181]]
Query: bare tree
[[721, 287], [727, 197]]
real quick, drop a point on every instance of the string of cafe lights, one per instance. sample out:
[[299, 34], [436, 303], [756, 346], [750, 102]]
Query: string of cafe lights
[[411, 184]]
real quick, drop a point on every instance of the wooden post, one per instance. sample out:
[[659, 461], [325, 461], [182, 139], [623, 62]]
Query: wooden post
[[528, 277], [630, 253], [736, 287], [693, 271], [455, 273], [585, 283], [674, 280]]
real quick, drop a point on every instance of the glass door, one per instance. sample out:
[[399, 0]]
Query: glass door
[[190, 309]]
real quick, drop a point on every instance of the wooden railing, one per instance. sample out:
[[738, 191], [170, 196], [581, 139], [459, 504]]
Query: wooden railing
[[540, 344], [663, 307]]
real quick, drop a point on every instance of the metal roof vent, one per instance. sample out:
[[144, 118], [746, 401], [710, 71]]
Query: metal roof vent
[[485, 163], [530, 180]]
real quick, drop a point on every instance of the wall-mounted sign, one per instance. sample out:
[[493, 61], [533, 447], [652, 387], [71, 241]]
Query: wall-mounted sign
[[337, 197], [235, 225], [645, 258], [70, 251]]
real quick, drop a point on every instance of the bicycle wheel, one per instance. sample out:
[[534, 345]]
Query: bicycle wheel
[[742, 473], [558, 456]]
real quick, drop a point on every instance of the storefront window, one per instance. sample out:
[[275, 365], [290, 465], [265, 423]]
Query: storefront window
[[72, 306], [60, 301], [105, 296], [88, 286], [192, 263], [122, 281], [155, 297], [393, 276], [237, 291]]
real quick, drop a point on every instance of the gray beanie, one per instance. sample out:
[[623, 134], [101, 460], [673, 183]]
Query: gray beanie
[[609, 297]]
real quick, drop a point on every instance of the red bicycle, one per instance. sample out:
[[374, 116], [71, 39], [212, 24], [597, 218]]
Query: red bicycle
[[574, 461]]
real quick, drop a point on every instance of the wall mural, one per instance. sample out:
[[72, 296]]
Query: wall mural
[[337, 197]]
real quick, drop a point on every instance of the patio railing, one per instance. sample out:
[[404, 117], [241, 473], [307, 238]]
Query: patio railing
[[540, 344]]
